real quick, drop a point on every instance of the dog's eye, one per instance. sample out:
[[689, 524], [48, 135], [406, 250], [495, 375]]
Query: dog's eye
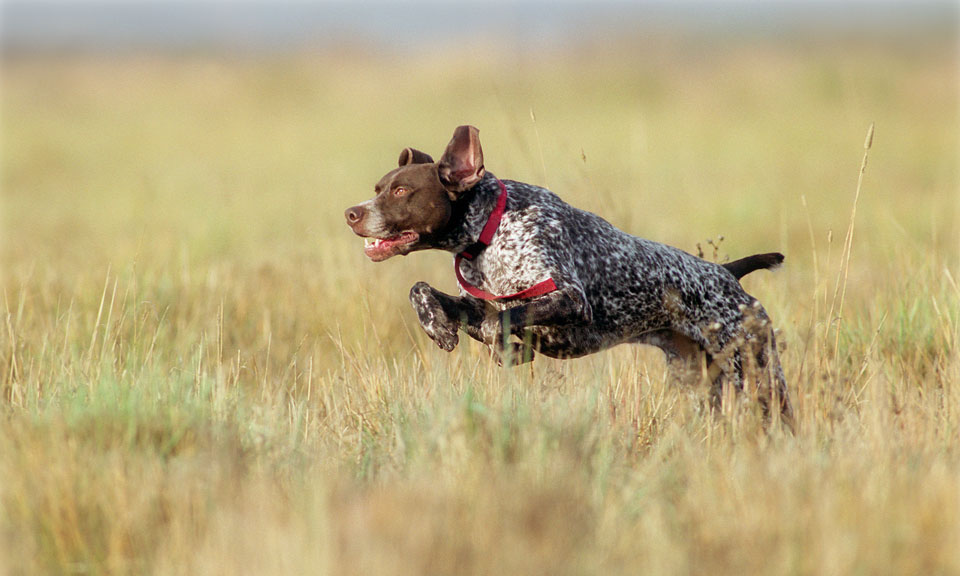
[[401, 191]]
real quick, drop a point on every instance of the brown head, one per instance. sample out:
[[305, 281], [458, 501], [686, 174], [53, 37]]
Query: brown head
[[414, 201]]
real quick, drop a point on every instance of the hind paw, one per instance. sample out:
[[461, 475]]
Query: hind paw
[[513, 355]]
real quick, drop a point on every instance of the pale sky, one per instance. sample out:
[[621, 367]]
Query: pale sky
[[271, 25]]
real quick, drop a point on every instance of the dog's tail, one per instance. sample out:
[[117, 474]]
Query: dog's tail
[[742, 267]]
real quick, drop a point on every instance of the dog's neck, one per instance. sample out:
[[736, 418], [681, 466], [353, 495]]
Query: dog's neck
[[470, 213]]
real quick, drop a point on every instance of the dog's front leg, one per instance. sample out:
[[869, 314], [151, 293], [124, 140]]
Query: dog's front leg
[[563, 307], [442, 315]]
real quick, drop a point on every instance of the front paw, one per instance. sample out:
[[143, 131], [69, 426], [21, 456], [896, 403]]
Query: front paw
[[434, 321], [492, 332], [440, 332], [445, 339], [505, 352], [514, 355]]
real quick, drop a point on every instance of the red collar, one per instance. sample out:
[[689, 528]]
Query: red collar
[[486, 235]]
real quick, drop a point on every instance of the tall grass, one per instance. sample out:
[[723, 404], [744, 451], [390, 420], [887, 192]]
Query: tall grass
[[200, 373]]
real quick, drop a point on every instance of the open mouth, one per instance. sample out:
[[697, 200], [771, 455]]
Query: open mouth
[[378, 249]]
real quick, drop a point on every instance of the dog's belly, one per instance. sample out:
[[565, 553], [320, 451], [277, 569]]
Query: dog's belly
[[572, 341], [610, 326]]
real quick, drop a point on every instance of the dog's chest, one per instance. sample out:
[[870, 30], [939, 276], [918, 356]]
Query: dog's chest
[[514, 260]]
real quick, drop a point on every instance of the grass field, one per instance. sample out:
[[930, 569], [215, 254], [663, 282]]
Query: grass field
[[202, 374]]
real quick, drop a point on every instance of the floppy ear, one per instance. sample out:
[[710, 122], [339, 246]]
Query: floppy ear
[[411, 156], [461, 166]]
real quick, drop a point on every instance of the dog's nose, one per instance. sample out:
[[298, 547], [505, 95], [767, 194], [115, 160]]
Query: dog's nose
[[354, 215]]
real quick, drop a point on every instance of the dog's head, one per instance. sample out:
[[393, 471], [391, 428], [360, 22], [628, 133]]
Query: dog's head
[[414, 202]]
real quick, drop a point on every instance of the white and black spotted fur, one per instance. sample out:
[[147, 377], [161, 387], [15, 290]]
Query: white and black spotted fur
[[612, 287]]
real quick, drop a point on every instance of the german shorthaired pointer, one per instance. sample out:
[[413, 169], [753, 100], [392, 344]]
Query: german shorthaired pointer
[[563, 280]]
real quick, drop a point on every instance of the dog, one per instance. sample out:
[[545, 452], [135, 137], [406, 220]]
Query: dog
[[564, 281]]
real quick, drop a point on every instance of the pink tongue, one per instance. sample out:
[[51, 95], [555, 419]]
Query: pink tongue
[[388, 244], [382, 246]]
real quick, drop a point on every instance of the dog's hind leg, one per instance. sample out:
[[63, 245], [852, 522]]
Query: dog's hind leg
[[750, 362], [772, 391], [689, 363]]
